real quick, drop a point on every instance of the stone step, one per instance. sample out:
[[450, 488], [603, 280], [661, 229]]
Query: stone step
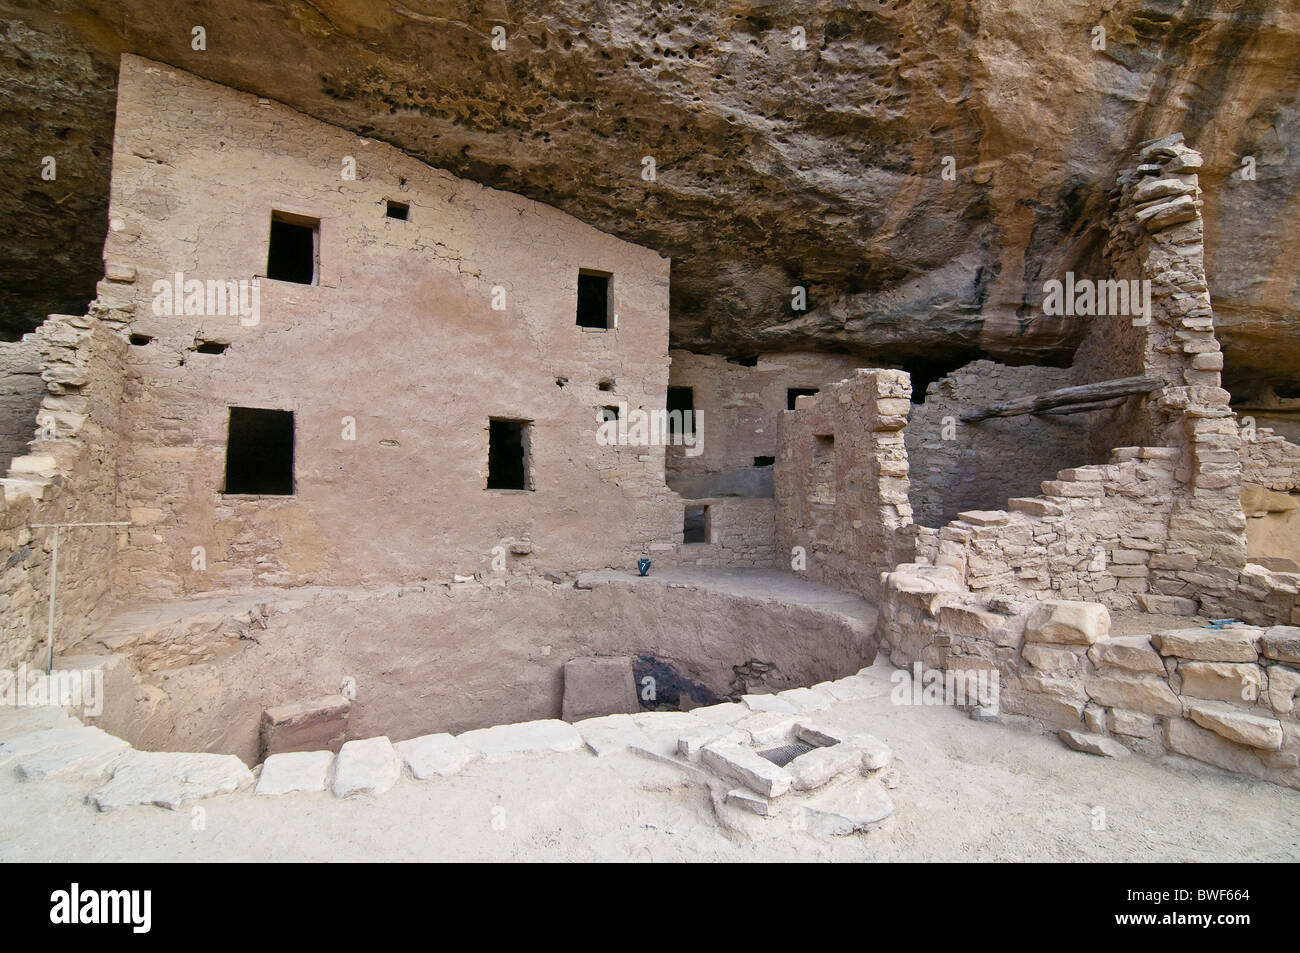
[[502, 742]]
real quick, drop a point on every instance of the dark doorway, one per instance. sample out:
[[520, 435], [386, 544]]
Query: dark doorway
[[507, 455]]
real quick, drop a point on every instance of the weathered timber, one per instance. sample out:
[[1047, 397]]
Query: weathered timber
[[1085, 408], [1067, 396]]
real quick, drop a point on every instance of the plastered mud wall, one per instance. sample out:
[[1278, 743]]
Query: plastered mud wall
[[418, 660], [740, 406], [392, 361]]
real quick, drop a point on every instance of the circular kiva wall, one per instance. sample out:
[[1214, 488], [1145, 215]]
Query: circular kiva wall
[[460, 657]]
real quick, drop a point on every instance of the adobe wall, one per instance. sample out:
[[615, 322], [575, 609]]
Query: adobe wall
[[844, 502], [399, 334], [740, 407], [68, 476], [21, 390]]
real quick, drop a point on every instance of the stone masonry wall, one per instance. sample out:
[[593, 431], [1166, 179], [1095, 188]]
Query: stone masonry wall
[[842, 480], [69, 476], [397, 336], [740, 405], [959, 466], [1270, 461], [740, 535], [21, 390]]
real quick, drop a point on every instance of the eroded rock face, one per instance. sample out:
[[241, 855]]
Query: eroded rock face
[[775, 166]]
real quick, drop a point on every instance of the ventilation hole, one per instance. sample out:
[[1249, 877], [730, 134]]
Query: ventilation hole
[[398, 210], [784, 754], [140, 340], [764, 461], [561, 381], [751, 361], [211, 347], [606, 385]]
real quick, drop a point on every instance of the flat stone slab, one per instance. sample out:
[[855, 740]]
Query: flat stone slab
[[847, 808], [817, 736], [769, 727], [365, 767], [21, 720], [501, 742], [610, 734], [31, 742], [748, 767], [295, 771], [807, 699], [1093, 744], [91, 757], [851, 689], [690, 744], [1239, 726], [819, 767], [434, 756], [749, 801], [769, 703], [599, 685], [725, 714], [663, 729], [1232, 644], [169, 779]]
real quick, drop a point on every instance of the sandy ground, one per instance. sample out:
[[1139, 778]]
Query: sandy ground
[[968, 792]]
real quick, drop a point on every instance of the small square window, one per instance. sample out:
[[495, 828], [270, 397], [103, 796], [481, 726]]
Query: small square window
[[764, 461], [294, 248], [608, 413], [593, 299], [398, 210], [259, 452], [508, 451]]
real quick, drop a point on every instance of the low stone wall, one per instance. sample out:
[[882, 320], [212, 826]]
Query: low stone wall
[[1270, 461], [21, 390], [1225, 697], [69, 476]]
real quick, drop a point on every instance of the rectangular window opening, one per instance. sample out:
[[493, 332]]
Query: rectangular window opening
[[794, 393], [593, 299], [606, 385], [695, 525], [294, 248], [508, 452], [140, 340], [764, 461], [680, 399], [398, 210], [259, 452], [211, 347]]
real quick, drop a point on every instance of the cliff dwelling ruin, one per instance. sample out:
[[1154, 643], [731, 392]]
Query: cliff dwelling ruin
[[362, 471]]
